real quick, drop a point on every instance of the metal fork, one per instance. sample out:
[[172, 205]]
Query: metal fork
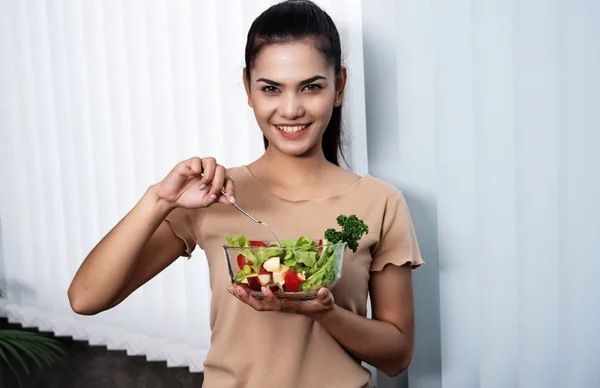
[[254, 219]]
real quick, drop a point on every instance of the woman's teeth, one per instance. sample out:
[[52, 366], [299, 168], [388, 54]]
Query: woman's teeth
[[288, 129]]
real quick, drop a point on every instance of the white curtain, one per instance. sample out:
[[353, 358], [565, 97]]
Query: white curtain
[[100, 99], [486, 113]]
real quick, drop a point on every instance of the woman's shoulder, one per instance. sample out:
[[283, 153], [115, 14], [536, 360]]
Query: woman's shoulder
[[375, 187], [235, 171]]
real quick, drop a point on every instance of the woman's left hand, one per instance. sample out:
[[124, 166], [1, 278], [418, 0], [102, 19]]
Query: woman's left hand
[[312, 308]]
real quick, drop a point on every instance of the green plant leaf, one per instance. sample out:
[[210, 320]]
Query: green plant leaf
[[26, 348], [49, 356], [52, 345], [49, 348], [16, 333], [16, 354], [32, 337]]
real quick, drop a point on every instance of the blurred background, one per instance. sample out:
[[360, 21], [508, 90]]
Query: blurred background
[[485, 113]]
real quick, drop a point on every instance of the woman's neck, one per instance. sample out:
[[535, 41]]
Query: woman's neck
[[275, 167]]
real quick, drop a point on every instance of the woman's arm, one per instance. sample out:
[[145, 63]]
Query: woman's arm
[[142, 244], [135, 250], [386, 341]]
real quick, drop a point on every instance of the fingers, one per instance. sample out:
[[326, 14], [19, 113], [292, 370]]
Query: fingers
[[269, 297], [229, 188], [209, 166], [195, 165], [269, 302], [313, 308], [189, 167], [213, 178], [217, 182], [242, 295]]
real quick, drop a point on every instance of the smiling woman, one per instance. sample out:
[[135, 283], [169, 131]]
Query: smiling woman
[[294, 82]]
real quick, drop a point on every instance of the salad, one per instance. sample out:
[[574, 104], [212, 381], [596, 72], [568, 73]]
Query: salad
[[296, 265]]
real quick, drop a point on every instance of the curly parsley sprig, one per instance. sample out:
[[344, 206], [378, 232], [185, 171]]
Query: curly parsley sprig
[[353, 229]]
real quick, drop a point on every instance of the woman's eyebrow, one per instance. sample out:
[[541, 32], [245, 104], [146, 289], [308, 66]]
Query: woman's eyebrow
[[306, 81]]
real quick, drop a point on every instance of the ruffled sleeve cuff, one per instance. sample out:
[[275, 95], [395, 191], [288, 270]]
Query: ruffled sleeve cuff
[[398, 242]]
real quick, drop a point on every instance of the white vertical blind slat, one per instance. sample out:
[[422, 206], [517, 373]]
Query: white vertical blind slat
[[456, 172], [578, 90], [29, 160], [493, 82], [537, 210]]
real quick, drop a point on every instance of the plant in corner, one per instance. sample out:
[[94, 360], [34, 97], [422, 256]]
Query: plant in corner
[[15, 344]]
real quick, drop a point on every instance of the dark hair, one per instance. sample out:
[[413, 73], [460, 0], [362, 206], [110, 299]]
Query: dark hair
[[294, 20]]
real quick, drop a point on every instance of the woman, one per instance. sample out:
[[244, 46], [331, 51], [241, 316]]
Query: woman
[[294, 82]]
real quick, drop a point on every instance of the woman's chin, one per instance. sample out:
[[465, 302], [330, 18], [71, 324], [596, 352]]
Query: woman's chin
[[297, 149]]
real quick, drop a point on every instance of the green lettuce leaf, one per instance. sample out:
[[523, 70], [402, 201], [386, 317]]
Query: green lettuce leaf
[[326, 273], [241, 275]]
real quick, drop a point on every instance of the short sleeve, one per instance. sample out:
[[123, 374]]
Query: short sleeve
[[182, 222], [397, 242]]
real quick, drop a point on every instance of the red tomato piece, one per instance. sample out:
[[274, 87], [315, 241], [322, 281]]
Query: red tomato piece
[[241, 261], [292, 282], [258, 244]]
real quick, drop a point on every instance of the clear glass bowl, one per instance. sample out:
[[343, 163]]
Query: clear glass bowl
[[286, 271]]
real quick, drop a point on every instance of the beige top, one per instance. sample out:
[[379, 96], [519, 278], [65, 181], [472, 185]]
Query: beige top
[[254, 349]]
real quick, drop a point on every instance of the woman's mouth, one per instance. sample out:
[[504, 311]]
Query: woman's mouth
[[293, 131]]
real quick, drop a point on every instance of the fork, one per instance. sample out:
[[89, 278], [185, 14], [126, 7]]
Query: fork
[[254, 219]]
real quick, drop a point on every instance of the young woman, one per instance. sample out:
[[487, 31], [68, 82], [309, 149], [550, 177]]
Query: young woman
[[295, 82]]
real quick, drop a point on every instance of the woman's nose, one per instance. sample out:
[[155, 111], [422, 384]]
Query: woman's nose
[[291, 106]]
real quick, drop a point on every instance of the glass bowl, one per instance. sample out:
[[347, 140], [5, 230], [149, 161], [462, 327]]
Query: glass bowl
[[292, 272]]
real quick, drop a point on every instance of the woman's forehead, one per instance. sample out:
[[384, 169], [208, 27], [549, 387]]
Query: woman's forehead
[[290, 61]]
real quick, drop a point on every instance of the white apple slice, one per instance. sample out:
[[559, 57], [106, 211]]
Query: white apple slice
[[264, 279], [283, 268], [278, 278], [272, 265]]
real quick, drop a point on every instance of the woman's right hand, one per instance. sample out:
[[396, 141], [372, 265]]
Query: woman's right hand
[[195, 183]]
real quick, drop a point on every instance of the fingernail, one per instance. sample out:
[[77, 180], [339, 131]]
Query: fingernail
[[202, 186], [213, 197], [231, 199], [264, 290]]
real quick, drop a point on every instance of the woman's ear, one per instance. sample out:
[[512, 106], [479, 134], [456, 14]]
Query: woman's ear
[[247, 87], [340, 84]]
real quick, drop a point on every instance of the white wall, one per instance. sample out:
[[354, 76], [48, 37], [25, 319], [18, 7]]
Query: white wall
[[486, 115]]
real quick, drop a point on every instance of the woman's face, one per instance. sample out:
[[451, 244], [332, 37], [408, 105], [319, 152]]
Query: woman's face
[[292, 91]]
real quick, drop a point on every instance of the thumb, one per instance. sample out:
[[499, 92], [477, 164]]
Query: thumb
[[325, 296], [323, 293]]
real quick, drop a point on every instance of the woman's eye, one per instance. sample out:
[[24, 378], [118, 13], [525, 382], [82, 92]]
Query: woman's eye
[[312, 87], [269, 89]]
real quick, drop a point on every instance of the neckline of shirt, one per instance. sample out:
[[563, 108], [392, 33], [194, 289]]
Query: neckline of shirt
[[266, 189]]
